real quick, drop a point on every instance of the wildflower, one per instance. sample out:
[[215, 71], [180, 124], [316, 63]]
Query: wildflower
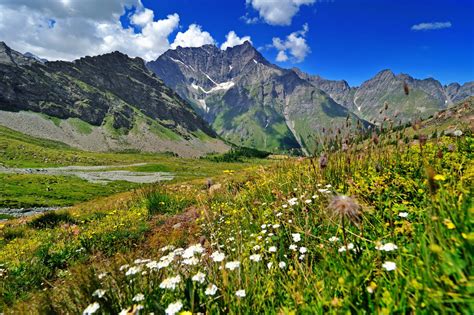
[[170, 283], [406, 89], [403, 214], [276, 226], [211, 290], [348, 247], [449, 224], [167, 248], [323, 161], [217, 256], [301, 257], [255, 257], [232, 265], [199, 277], [345, 207], [303, 250], [272, 249], [99, 293], [308, 201], [334, 239], [138, 298], [293, 247], [133, 270], [296, 237], [285, 206], [91, 308], [174, 308], [263, 226], [293, 201], [457, 133], [371, 288], [279, 214], [141, 261], [387, 247], [282, 264], [191, 250], [439, 177], [102, 275], [269, 265], [256, 247], [193, 261], [123, 267], [389, 265]]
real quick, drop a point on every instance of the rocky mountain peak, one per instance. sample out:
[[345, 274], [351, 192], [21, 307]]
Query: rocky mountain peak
[[12, 57]]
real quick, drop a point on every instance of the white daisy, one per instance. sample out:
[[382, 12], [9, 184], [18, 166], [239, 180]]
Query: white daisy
[[389, 265], [174, 308], [217, 256], [232, 265], [91, 308], [296, 237], [199, 277], [240, 293], [211, 289]]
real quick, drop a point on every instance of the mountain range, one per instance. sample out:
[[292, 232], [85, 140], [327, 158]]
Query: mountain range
[[102, 103], [252, 102], [190, 101]]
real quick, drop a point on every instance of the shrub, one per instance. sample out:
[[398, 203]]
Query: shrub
[[50, 220]]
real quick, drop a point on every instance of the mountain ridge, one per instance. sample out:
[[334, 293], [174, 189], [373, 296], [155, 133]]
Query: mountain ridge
[[111, 93], [248, 100]]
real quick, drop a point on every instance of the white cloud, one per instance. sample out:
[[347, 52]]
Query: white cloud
[[277, 12], [143, 18], [233, 40], [431, 26], [193, 37], [248, 19], [294, 44], [282, 56], [84, 27]]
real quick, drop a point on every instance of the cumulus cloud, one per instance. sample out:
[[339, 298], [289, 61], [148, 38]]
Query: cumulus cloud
[[431, 26], [233, 40], [193, 37], [60, 29], [294, 44], [277, 12]]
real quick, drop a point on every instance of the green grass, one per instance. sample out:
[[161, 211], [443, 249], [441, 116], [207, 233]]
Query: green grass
[[301, 236], [81, 126], [28, 190]]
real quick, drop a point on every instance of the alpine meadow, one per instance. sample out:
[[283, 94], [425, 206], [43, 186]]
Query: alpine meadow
[[238, 157]]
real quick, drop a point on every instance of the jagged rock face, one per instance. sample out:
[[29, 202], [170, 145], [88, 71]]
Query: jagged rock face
[[386, 90], [111, 89], [458, 93], [249, 100]]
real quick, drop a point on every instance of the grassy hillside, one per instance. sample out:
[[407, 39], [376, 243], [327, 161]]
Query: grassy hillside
[[385, 228], [30, 190]]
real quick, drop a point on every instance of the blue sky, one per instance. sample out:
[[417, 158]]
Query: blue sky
[[352, 40], [337, 39]]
